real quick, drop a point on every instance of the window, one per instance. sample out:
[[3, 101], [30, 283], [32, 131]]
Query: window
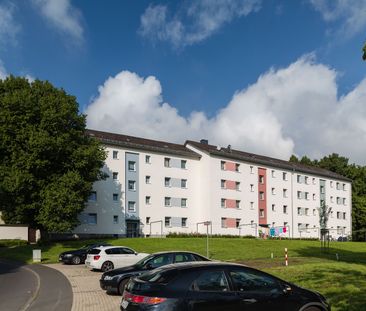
[[183, 183], [314, 212], [273, 207], [251, 170], [115, 154], [115, 196], [331, 214], [344, 187], [148, 200], [261, 213], [299, 195], [344, 215], [237, 166], [167, 182], [115, 175], [299, 179], [183, 164], [167, 222], [284, 176], [167, 162], [261, 179], [223, 203], [223, 183], [184, 222], [147, 220], [273, 190], [285, 224], [211, 281], [344, 201], [237, 185], [131, 165], [237, 222], [251, 205], [183, 202], [115, 219], [132, 185], [314, 197], [331, 199], [237, 203], [253, 281], [147, 179], [167, 201], [306, 180], [223, 222], [306, 195], [306, 211], [299, 211], [148, 159], [131, 206], [331, 184], [285, 209], [273, 172], [284, 193], [251, 188], [252, 223], [261, 195], [338, 200], [223, 165], [338, 186], [92, 219], [92, 196], [313, 180], [338, 215]]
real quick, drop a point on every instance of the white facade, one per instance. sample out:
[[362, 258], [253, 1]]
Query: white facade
[[154, 190]]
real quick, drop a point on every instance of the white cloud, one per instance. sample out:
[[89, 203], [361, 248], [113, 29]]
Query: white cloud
[[192, 23], [3, 72], [289, 110], [63, 16], [8, 27], [349, 13]]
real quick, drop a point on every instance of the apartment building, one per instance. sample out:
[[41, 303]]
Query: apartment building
[[157, 187]]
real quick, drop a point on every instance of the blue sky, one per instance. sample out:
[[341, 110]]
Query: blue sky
[[273, 77]]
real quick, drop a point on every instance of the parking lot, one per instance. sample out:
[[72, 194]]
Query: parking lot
[[86, 291]]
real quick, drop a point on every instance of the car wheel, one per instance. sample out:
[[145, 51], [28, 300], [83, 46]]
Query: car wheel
[[122, 285], [107, 266], [76, 260], [312, 309]]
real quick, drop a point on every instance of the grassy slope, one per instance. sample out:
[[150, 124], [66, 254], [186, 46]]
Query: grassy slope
[[343, 281]]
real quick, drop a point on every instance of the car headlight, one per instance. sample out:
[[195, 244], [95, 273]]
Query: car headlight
[[108, 278]]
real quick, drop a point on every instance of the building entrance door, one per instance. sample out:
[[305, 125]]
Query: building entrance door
[[132, 229]]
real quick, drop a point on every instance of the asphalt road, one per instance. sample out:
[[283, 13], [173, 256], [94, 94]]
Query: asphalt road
[[33, 288], [17, 286]]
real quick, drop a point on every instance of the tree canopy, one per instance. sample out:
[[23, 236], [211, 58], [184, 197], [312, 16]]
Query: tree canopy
[[364, 52], [48, 163]]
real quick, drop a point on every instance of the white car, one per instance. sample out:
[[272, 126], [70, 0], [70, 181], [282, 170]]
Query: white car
[[107, 258]]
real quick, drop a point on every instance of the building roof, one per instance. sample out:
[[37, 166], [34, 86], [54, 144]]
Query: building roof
[[142, 144], [263, 160]]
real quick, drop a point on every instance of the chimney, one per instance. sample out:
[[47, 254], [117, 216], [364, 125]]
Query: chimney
[[204, 141]]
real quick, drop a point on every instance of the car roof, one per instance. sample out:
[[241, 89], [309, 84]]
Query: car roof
[[177, 252], [113, 246], [199, 264]]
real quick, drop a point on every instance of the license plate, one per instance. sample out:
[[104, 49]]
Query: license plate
[[124, 304]]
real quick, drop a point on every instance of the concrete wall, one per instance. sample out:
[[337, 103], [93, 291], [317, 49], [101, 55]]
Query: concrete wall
[[13, 232]]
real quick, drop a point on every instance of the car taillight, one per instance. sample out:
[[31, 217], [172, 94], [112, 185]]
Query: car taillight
[[142, 299], [96, 257]]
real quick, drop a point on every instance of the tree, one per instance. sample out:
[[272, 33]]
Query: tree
[[324, 212], [48, 163], [364, 52]]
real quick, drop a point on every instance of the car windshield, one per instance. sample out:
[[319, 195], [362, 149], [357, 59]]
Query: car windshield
[[144, 261], [87, 246]]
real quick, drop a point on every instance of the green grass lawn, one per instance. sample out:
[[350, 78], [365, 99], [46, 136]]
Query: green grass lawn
[[342, 281]]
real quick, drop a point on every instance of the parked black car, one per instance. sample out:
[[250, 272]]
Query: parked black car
[[78, 256], [114, 281], [214, 286]]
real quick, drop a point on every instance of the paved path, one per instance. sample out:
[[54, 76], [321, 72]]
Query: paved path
[[33, 288], [87, 294]]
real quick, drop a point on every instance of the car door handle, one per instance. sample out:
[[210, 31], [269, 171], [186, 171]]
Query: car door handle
[[252, 300]]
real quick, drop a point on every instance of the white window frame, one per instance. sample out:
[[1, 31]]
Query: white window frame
[[133, 184], [131, 166]]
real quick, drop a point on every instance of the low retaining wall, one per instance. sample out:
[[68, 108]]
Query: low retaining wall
[[13, 232]]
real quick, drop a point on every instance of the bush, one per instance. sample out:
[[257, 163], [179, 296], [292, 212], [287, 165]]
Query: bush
[[200, 235], [10, 243]]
